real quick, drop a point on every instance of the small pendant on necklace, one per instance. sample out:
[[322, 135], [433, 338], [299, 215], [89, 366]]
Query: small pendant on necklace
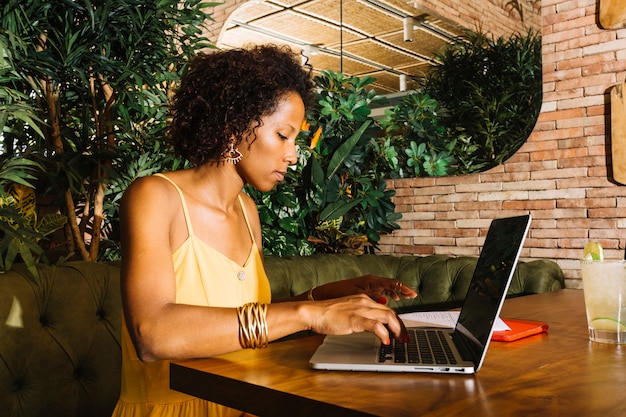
[[241, 275]]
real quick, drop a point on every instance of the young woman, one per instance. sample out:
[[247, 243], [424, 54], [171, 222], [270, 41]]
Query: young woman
[[193, 282]]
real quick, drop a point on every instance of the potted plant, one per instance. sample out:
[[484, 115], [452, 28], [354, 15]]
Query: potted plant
[[97, 75]]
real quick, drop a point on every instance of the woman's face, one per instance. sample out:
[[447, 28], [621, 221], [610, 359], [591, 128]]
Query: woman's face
[[266, 157]]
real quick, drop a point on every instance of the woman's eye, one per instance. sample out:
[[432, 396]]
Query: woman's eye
[[283, 137]]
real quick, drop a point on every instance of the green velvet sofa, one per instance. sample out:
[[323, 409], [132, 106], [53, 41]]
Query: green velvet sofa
[[60, 340]]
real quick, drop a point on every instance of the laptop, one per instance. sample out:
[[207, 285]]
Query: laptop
[[460, 350]]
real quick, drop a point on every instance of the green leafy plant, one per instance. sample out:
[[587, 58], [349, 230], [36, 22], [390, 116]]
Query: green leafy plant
[[97, 74], [493, 91], [21, 228], [428, 161], [421, 144]]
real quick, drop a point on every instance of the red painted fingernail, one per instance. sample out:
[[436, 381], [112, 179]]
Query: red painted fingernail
[[387, 342], [382, 300]]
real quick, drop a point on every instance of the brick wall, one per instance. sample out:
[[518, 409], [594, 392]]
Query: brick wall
[[561, 175]]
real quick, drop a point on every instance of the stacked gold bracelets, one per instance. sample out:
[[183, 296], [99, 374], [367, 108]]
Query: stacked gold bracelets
[[252, 325]]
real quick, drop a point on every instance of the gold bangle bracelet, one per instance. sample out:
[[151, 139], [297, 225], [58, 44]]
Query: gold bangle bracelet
[[253, 331], [309, 295]]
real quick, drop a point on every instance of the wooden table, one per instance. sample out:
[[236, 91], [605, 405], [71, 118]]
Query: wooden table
[[560, 373]]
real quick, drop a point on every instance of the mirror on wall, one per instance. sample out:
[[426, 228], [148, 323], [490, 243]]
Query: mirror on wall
[[397, 42]]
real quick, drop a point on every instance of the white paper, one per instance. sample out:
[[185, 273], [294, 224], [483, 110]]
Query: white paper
[[441, 319]]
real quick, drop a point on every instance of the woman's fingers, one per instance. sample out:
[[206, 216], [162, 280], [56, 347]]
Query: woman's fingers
[[390, 287], [357, 314], [390, 326], [400, 289], [380, 330]]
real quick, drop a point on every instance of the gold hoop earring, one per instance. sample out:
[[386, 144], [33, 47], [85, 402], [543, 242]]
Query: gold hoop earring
[[232, 154]]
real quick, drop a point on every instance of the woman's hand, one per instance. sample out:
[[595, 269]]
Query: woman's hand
[[353, 314], [377, 288]]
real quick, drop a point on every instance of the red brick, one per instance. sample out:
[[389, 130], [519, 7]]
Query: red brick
[[597, 170], [529, 205], [541, 243], [478, 205], [564, 114], [540, 234], [457, 232], [610, 190], [606, 212], [531, 167], [505, 177], [577, 162]]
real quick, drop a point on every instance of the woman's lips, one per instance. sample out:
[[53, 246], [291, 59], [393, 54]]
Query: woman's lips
[[280, 175]]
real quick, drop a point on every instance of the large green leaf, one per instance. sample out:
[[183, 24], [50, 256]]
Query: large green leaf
[[337, 209], [289, 224], [51, 223], [19, 170], [345, 149]]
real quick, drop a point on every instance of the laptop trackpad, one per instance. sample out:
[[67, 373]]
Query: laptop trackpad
[[352, 348]]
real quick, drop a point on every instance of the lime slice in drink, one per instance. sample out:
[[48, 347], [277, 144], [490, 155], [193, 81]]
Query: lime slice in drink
[[605, 323], [593, 250]]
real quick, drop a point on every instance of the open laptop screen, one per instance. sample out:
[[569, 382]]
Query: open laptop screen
[[490, 281]]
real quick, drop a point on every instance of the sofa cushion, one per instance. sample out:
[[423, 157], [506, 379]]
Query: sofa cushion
[[60, 349]]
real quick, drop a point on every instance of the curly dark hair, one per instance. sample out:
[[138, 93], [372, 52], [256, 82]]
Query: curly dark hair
[[224, 94]]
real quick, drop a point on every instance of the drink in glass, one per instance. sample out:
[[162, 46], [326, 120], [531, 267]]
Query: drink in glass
[[604, 286]]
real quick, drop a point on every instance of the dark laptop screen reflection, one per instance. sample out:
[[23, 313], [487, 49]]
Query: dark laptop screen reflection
[[490, 281]]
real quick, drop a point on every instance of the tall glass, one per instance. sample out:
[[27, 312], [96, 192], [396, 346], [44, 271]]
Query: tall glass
[[604, 286]]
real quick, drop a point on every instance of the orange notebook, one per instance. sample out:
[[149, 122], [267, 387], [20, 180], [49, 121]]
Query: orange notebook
[[519, 330]]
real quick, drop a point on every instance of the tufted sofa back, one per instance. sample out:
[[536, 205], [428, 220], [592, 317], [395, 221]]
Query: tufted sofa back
[[60, 349], [440, 280]]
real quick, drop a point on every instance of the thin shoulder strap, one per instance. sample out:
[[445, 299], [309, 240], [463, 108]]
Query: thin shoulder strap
[[245, 216], [182, 200]]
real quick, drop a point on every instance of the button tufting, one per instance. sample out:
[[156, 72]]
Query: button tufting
[[43, 319], [18, 384]]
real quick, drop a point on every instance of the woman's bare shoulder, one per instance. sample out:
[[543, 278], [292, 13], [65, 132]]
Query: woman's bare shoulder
[[249, 204], [151, 190]]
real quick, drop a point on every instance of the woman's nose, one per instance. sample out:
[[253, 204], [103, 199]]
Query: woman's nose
[[291, 156]]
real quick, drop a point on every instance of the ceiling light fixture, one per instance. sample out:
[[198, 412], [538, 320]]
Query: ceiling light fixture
[[419, 22], [409, 28], [310, 50], [402, 82]]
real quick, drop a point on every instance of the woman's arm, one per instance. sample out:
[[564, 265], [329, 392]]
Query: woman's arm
[[377, 288]]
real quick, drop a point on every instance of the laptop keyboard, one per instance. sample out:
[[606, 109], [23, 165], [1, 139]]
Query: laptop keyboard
[[424, 346]]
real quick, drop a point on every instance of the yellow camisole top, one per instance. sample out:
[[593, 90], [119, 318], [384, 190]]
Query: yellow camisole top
[[204, 277]]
